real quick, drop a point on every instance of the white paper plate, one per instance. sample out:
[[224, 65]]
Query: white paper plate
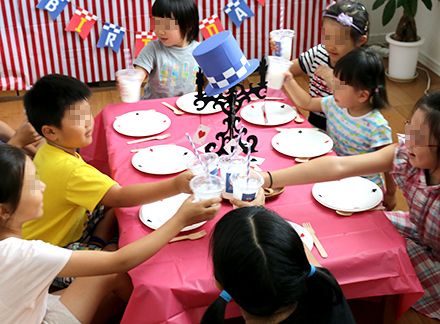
[[162, 159], [141, 123], [278, 113], [186, 103], [353, 194], [155, 214], [305, 236], [302, 142]]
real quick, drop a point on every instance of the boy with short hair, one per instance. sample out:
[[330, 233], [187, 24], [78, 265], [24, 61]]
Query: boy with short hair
[[58, 109]]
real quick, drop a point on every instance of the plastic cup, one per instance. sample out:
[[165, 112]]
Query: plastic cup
[[210, 160], [206, 188], [275, 72], [228, 168], [246, 190], [283, 38], [129, 84]]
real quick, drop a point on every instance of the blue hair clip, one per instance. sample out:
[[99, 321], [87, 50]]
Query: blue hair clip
[[224, 294], [312, 270], [345, 20]]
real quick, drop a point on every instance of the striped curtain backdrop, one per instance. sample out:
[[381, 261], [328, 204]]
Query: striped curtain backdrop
[[33, 44]]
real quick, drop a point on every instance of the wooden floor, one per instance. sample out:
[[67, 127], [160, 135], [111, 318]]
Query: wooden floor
[[402, 97]]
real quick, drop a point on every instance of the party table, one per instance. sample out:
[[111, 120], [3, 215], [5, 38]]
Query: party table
[[365, 252]]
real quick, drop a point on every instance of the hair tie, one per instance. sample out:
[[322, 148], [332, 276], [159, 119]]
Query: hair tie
[[331, 4], [376, 90], [225, 296], [345, 20], [312, 270]]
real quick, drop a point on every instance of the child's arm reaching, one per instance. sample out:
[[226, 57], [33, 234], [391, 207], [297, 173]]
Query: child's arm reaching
[[93, 263], [299, 95], [330, 168], [144, 193], [389, 199]]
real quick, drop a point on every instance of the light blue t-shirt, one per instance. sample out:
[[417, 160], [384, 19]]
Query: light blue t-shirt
[[356, 135], [171, 69]]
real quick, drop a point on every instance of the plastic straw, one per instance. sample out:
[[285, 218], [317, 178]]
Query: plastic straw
[[282, 17], [128, 61], [198, 156], [248, 164], [237, 143]]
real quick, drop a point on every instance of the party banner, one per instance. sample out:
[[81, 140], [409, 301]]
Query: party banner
[[111, 36], [210, 26], [82, 22], [262, 2], [238, 11], [142, 39], [53, 6]]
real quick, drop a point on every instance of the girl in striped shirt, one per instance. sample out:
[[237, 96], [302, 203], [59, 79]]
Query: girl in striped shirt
[[354, 121], [345, 26]]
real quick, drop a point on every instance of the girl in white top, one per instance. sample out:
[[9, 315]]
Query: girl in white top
[[27, 268]]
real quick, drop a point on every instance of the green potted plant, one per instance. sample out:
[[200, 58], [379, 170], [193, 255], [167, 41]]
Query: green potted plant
[[404, 42]]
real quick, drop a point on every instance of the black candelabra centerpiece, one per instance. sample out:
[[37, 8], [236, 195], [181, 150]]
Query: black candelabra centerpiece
[[230, 103]]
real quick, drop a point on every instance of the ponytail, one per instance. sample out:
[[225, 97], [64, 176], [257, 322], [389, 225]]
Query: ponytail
[[378, 97], [215, 314]]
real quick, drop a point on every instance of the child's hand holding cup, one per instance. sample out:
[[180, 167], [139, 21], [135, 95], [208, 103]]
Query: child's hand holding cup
[[129, 84], [206, 187], [275, 72], [283, 42], [246, 186]]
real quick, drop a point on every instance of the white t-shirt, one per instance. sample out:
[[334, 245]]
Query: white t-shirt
[[27, 268]]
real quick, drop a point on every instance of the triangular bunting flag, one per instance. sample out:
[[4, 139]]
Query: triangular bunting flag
[[262, 2], [111, 36], [211, 26], [82, 22], [238, 10], [142, 39], [53, 6]]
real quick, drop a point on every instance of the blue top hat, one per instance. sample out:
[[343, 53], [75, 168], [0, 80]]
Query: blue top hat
[[223, 62]]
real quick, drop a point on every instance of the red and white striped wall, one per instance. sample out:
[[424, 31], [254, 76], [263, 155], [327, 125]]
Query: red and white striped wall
[[33, 44]]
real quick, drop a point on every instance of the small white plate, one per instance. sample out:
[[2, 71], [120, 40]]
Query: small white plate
[[155, 214], [353, 194], [141, 123], [302, 142], [186, 103], [278, 113], [305, 236], [162, 159]]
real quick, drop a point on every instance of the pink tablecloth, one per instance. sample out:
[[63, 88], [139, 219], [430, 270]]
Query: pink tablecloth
[[366, 254]]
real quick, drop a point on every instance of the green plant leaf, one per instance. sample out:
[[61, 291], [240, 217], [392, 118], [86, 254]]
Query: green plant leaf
[[388, 12], [379, 3], [428, 4]]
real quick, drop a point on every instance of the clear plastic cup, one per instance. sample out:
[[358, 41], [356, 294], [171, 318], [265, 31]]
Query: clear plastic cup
[[210, 160], [227, 167], [283, 38], [129, 84], [244, 189], [206, 188], [275, 72]]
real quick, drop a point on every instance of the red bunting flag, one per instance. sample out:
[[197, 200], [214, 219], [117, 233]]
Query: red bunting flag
[[211, 26], [82, 22], [142, 39], [262, 2]]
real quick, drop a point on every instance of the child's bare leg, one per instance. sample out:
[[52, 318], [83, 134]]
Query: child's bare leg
[[107, 226], [85, 296]]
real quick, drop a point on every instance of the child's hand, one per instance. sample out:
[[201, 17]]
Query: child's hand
[[26, 134], [182, 181], [259, 200], [389, 201], [325, 73], [288, 76], [273, 45], [194, 212]]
